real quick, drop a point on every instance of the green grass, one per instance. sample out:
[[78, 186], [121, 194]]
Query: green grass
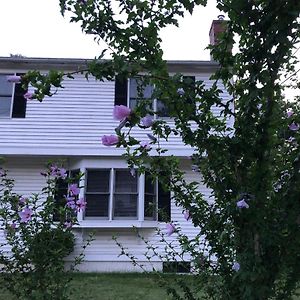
[[113, 286], [117, 286]]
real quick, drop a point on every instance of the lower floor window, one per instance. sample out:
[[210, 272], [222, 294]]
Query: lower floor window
[[114, 194]]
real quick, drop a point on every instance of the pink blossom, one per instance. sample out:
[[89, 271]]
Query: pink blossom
[[25, 215], [121, 112], [294, 126], [242, 204], [170, 228], [2, 172], [28, 95], [71, 204], [147, 121], [180, 92], [23, 200], [80, 204], [289, 113], [236, 266], [74, 190], [110, 140], [14, 78], [145, 145], [68, 224], [13, 226], [59, 172], [187, 215]]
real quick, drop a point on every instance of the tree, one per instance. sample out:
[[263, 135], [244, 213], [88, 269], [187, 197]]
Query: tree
[[252, 227]]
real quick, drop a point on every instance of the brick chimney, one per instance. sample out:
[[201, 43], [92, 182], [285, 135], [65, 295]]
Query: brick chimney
[[217, 27]]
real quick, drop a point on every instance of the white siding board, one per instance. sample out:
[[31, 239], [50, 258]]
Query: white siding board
[[26, 172], [79, 114]]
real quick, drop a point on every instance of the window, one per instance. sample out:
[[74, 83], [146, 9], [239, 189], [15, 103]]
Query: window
[[176, 267], [12, 101], [114, 194], [61, 190]]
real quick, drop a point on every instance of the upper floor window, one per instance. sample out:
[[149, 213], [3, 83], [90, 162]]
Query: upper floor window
[[131, 92], [12, 101]]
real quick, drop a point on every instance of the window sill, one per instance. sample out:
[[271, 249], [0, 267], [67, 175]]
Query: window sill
[[116, 224]]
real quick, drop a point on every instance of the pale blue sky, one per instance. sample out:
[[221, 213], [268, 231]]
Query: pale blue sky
[[35, 28]]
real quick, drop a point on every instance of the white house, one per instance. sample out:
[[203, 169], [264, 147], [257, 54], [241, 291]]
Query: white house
[[69, 126]]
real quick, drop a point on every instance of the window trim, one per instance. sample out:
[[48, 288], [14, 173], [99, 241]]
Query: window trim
[[13, 99], [140, 217]]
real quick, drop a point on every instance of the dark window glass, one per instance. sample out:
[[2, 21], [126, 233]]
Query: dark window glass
[[19, 104], [125, 195], [177, 267], [97, 193], [150, 205], [121, 86], [164, 203]]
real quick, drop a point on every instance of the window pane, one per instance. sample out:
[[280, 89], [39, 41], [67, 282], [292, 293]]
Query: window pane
[[162, 110], [134, 88], [150, 207], [6, 87], [125, 182], [97, 205], [125, 206], [5, 106], [149, 185], [98, 181]]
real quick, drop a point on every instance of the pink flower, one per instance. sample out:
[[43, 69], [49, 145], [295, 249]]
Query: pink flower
[[145, 145], [236, 266], [170, 228], [121, 112], [110, 140], [13, 226], [22, 200], [147, 121], [74, 190], [25, 215], [294, 126], [180, 92], [289, 113], [59, 172], [14, 78], [80, 204], [242, 204], [187, 215], [71, 204], [28, 95], [68, 224], [2, 172]]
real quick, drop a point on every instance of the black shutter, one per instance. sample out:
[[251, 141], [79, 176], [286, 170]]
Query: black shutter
[[164, 204], [19, 102], [121, 90], [190, 80]]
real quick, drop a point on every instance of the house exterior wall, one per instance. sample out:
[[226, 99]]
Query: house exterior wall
[[103, 254], [69, 126]]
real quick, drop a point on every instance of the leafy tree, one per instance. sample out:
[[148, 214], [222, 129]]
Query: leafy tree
[[252, 167]]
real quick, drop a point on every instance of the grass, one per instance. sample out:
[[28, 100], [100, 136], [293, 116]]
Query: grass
[[117, 286], [113, 286]]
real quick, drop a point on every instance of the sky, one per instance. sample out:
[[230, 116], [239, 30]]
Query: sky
[[35, 28]]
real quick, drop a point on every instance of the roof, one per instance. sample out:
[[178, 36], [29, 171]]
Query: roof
[[73, 64]]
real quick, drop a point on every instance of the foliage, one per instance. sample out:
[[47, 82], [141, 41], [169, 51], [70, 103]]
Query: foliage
[[248, 155], [35, 245]]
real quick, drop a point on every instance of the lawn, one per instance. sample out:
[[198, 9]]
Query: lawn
[[114, 286], [117, 286]]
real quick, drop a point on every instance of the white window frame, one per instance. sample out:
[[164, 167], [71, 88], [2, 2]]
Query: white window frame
[[140, 218], [154, 101], [12, 96]]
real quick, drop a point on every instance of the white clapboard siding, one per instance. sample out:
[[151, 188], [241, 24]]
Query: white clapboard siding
[[73, 121], [103, 253]]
